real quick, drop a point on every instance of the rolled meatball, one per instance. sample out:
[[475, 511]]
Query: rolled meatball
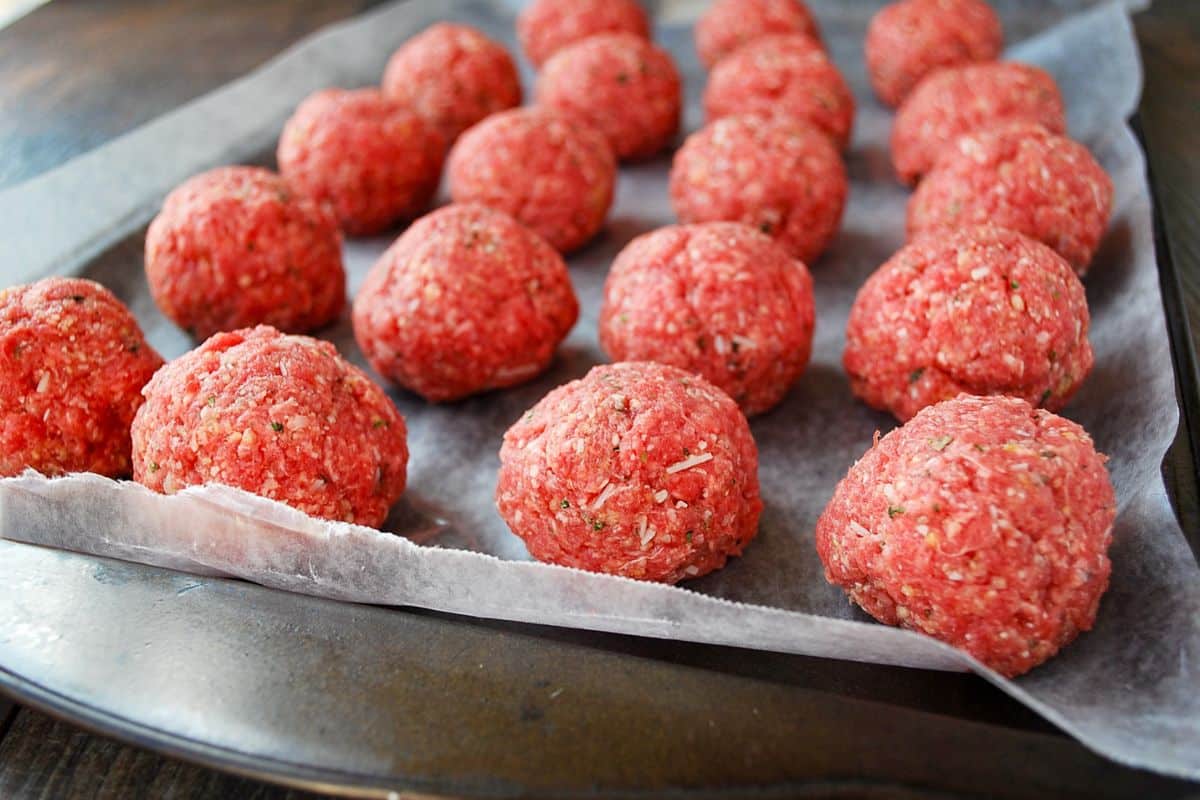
[[284, 417], [466, 300], [728, 24], [236, 247], [546, 26], [453, 76], [982, 522], [910, 39], [779, 175], [960, 100], [621, 85], [1019, 176], [719, 299], [72, 363], [638, 469], [981, 310], [786, 74], [369, 159], [553, 174]]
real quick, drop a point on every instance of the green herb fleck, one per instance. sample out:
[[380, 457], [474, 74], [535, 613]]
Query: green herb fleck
[[916, 374], [211, 400], [893, 511], [688, 536], [941, 442], [597, 525], [277, 426], [978, 447], [565, 503], [379, 423], [624, 318], [1045, 396], [643, 457], [1014, 285], [154, 466]]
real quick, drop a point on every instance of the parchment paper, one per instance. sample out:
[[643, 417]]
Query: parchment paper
[[1128, 689]]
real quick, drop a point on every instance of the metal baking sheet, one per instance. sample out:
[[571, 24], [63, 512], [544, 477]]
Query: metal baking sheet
[[768, 575]]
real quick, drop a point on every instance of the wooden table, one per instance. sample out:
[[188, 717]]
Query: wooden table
[[74, 75]]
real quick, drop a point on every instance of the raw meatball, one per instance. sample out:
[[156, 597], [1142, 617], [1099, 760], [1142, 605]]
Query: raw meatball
[[1019, 176], [908, 40], [551, 173], [983, 522], [779, 175], [621, 85], [547, 26], [729, 24], [466, 300], [72, 364], [371, 160], [979, 310], [720, 299], [638, 469], [236, 247], [960, 100], [453, 76], [281, 416], [786, 74]]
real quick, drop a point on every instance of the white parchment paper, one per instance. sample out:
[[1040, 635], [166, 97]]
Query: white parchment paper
[[1129, 689]]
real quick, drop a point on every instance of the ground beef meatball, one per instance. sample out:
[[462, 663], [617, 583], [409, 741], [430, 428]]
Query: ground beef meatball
[[980, 310], [453, 76], [720, 299], [466, 300], [550, 172], [787, 74], [369, 159], [281, 416], [638, 469], [621, 85], [1019, 176], [729, 24], [961, 100], [779, 175], [910, 39], [547, 26], [72, 366], [983, 522], [235, 247]]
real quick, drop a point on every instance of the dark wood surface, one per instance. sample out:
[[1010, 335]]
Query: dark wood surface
[[75, 74]]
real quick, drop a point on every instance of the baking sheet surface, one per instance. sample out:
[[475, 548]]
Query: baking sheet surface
[[1127, 689]]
